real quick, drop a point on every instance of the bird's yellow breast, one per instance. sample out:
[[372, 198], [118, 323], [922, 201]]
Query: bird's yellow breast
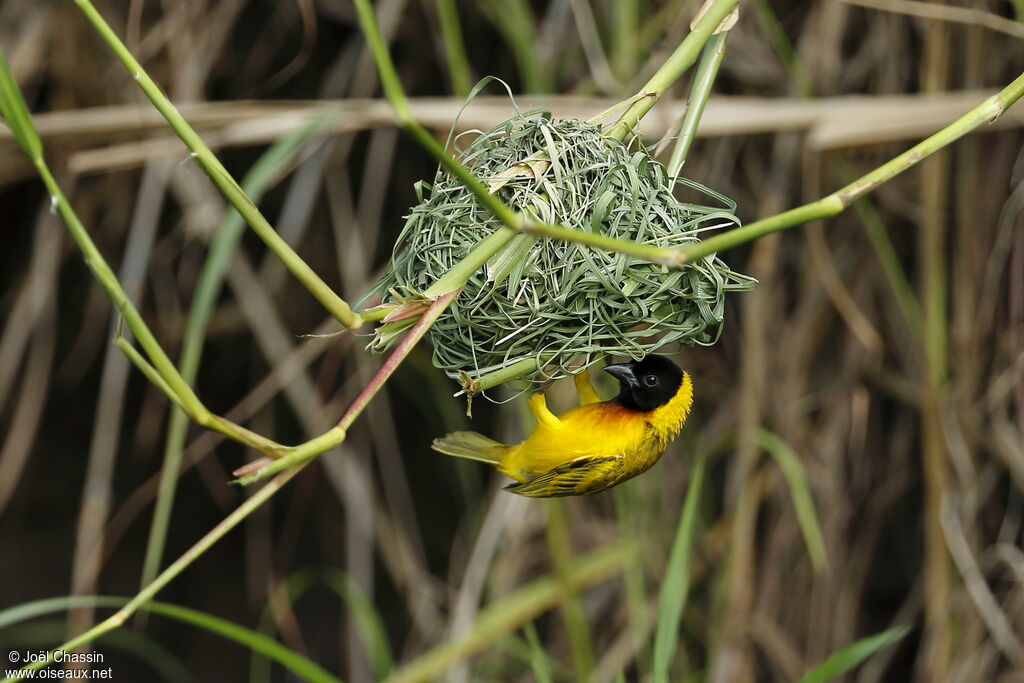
[[600, 429]]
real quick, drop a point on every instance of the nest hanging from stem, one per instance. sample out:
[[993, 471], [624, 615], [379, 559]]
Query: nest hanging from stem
[[558, 303]]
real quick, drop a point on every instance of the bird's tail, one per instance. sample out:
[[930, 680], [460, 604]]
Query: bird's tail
[[470, 445]]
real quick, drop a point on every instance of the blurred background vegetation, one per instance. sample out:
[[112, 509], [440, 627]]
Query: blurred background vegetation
[[881, 357]]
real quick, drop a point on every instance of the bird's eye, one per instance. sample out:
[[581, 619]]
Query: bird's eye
[[650, 380]]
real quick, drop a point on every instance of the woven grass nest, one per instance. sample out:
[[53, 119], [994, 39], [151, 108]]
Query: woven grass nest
[[559, 303]]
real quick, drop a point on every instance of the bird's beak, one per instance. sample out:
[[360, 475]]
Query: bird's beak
[[624, 373]]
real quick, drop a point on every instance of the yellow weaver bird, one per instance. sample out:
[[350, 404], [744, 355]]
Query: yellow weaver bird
[[596, 445]]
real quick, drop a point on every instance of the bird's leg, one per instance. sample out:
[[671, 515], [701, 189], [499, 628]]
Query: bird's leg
[[539, 408], [584, 388]]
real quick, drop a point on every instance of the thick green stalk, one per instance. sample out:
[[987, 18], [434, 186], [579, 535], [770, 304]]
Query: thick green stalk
[[221, 178], [681, 60], [714, 51]]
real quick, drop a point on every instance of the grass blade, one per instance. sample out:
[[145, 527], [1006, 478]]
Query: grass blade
[[369, 624], [539, 661], [852, 655], [800, 493], [676, 585]]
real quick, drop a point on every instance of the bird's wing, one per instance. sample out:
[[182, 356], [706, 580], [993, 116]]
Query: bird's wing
[[584, 475]]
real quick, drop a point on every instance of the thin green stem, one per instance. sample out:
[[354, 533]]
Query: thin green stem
[[16, 115], [681, 60], [221, 178], [700, 90]]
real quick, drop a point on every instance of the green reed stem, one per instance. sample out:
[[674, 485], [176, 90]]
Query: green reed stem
[[221, 178]]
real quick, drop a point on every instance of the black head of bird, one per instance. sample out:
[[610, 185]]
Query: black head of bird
[[646, 384]]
